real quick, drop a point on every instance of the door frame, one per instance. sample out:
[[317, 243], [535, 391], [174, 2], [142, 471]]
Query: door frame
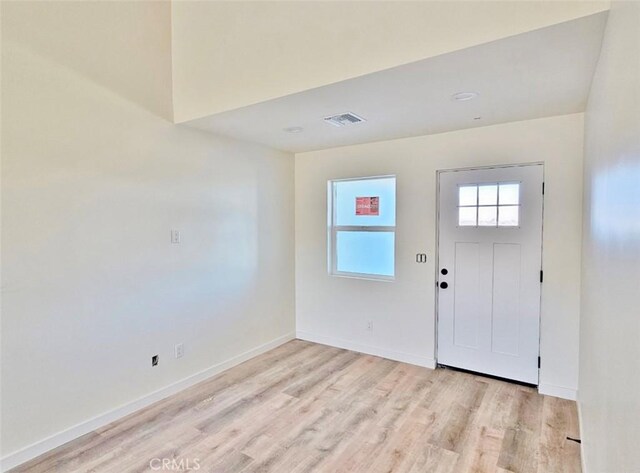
[[437, 251]]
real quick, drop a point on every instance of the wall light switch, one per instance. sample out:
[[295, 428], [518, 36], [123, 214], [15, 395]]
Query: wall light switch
[[179, 349], [175, 236]]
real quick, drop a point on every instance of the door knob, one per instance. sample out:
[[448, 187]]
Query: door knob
[[443, 285]]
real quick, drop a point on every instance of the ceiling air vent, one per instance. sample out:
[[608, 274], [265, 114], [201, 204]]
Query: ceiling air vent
[[343, 119]]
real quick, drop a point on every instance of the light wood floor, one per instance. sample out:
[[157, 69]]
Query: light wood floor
[[305, 407]]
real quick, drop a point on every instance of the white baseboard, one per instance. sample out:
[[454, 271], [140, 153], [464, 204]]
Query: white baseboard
[[583, 459], [27, 453], [558, 391], [368, 349]]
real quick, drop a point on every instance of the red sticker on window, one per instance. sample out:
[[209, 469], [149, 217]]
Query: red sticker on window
[[367, 206]]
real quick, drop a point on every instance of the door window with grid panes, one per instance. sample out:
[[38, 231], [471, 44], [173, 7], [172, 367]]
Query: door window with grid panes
[[489, 205]]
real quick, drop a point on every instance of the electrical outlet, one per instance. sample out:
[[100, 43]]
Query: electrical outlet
[[154, 360], [370, 325], [179, 350], [175, 236]]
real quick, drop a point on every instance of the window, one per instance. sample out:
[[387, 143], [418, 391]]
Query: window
[[362, 226], [489, 205]]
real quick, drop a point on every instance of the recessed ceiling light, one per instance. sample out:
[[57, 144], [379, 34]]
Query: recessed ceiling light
[[293, 129], [464, 96]]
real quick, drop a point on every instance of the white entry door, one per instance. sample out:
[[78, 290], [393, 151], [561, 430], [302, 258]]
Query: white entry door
[[489, 275]]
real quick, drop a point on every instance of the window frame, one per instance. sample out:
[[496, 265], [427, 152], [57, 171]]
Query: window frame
[[333, 229]]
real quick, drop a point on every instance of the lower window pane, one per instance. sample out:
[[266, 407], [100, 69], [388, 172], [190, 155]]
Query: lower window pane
[[365, 252], [487, 216], [467, 216], [508, 216]]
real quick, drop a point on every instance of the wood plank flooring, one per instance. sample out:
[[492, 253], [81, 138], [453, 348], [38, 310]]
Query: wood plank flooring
[[304, 407]]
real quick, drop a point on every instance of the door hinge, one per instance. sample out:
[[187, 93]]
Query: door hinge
[[538, 362], [543, 188], [541, 275]]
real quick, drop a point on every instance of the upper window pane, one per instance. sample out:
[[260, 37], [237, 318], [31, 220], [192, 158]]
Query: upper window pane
[[365, 202], [468, 195], [509, 194], [488, 195]]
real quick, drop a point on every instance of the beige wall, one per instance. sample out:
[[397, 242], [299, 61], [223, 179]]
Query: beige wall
[[93, 180], [125, 48], [610, 323], [231, 54], [336, 310]]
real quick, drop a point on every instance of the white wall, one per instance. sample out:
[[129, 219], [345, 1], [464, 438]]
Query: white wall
[[610, 324], [93, 180], [336, 310], [232, 54]]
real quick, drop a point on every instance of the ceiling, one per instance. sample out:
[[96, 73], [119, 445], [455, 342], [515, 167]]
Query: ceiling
[[541, 73]]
